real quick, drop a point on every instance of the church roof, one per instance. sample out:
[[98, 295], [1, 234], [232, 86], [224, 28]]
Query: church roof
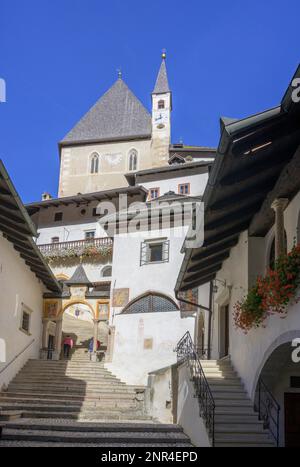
[[162, 83], [117, 115], [79, 277]]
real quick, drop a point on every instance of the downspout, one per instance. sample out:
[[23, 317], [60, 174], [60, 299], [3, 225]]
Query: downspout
[[202, 307]]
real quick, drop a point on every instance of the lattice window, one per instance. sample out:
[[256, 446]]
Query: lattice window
[[151, 303]]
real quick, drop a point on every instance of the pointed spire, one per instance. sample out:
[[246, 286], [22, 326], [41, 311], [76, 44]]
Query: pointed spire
[[162, 83], [79, 277]]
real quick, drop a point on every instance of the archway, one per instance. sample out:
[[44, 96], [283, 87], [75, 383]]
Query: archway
[[78, 324], [277, 394]]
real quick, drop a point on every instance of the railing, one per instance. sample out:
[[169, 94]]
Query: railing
[[77, 244], [268, 409], [16, 357], [186, 351]]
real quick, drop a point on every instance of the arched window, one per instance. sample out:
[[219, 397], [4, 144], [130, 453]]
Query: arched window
[[95, 164], [106, 271], [151, 303], [161, 104], [133, 160]]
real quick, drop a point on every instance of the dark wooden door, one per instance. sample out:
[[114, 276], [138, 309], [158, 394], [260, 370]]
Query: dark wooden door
[[292, 420], [226, 330]]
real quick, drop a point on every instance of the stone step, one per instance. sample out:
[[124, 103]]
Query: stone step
[[105, 438], [235, 418], [231, 396], [63, 379], [39, 407], [113, 398], [236, 428], [243, 438], [230, 403], [36, 444], [69, 426], [234, 410], [100, 416], [58, 390], [65, 396], [230, 389]]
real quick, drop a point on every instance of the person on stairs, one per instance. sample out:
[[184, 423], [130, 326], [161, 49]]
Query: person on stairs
[[68, 345], [91, 347]]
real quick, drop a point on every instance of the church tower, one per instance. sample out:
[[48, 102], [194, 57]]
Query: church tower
[[161, 117]]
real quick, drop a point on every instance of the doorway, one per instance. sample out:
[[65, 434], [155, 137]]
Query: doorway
[[292, 420], [224, 331]]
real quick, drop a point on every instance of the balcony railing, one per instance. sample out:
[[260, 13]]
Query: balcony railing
[[89, 247]]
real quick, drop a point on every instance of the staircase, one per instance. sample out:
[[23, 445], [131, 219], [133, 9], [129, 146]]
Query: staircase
[[236, 422], [77, 402]]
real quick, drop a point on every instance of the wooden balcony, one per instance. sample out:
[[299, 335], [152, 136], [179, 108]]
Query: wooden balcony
[[89, 247]]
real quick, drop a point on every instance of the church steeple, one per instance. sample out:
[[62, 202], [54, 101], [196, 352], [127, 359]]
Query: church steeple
[[162, 82], [161, 116]]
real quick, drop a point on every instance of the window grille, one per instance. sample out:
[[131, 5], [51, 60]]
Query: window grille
[[151, 303], [155, 252]]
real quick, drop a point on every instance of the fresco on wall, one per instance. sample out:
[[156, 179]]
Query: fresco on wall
[[190, 296], [52, 308], [120, 297]]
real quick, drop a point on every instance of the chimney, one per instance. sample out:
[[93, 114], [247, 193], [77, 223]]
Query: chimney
[[46, 196]]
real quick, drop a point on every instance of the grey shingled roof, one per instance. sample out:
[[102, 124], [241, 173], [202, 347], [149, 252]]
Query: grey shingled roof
[[117, 114], [162, 83], [79, 277]]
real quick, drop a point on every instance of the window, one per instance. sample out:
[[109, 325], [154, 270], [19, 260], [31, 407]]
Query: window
[[161, 104], [107, 271], [58, 217], [155, 252], [90, 234], [151, 303], [133, 160], [154, 193], [55, 240], [184, 189], [94, 164], [25, 320]]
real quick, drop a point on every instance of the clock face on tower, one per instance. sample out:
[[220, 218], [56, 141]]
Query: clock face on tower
[[160, 118]]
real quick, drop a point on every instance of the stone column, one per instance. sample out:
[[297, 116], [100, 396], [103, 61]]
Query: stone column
[[44, 336], [58, 339], [279, 206]]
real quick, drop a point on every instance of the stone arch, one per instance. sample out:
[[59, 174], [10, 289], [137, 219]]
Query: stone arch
[[284, 338], [77, 301], [146, 299]]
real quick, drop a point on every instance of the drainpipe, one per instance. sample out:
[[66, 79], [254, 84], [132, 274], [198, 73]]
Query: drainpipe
[[202, 307]]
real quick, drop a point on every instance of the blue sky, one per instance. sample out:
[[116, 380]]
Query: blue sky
[[59, 56]]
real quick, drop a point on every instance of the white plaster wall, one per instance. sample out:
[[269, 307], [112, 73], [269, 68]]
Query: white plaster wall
[[161, 395], [18, 285], [188, 410], [250, 351], [197, 184], [131, 361], [160, 277]]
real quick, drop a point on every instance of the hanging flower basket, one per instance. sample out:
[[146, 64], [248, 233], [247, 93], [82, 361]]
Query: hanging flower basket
[[271, 294], [88, 251]]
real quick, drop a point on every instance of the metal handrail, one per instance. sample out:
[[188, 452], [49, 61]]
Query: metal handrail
[[102, 241], [186, 351], [268, 409], [16, 357]]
